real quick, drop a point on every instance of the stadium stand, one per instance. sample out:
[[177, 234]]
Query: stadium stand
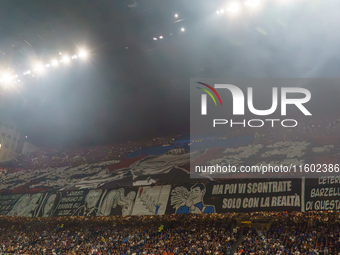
[[171, 234], [264, 233]]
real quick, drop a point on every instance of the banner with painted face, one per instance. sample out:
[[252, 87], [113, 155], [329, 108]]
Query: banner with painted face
[[118, 201], [27, 205], [97, 202], [190, 199], [236, 196], [322, 194], [49, 204], [10, 205], [202, 197]]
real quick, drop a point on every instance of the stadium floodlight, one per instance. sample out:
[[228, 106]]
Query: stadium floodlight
[[182, 29], [176, 15], [6, 78], [54, 63], [155, 38], [39, 68], [83, 54], [233, 8], [66, 59], [161, 37]]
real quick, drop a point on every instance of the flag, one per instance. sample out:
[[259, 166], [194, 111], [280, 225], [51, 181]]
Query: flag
[[160, 228]]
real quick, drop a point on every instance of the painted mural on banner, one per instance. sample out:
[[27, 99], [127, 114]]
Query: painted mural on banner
[[322, 194], [118, 202], [236, 196], [95, 202], [27, 205], [137, 170], [7, 202], [201, 197], [151, 200], [49, 204], [189, 199]]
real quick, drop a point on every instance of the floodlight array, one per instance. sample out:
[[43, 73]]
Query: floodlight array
[[10, 77]]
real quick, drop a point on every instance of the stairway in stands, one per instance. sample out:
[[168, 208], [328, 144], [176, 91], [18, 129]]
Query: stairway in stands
[[259, 225]]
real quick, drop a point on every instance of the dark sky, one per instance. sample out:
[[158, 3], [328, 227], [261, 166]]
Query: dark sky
[[133, 87]]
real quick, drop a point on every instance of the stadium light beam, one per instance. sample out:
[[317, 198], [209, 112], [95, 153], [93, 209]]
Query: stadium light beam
[[39, 68], [83, 54], [233, 8], [66, 59], [10, 77], [6, 78], [252, 4], [221, 11], [54, 63]]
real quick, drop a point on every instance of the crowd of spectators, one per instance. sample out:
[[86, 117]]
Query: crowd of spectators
[[168, 234], [299, 233], [322, 130], [312, 233]]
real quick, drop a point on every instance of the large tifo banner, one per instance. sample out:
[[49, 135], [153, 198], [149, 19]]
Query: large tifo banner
[[236, 196], [151, 200], [96, 202], [322, 194], [202, 197]]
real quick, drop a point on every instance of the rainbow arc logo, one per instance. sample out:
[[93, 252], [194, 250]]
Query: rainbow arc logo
[[204, 97]]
